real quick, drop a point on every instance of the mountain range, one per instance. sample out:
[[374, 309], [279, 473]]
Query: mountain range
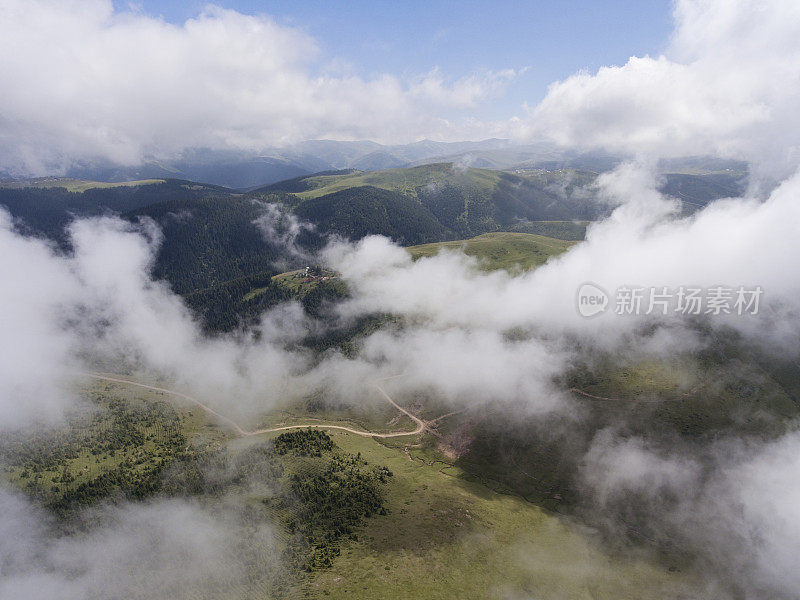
[[242, 170]]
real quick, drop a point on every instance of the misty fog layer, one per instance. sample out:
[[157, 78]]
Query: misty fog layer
[[165, 549]]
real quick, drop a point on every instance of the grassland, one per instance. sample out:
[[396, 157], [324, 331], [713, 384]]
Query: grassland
[[120, 432], [299, 284], [697, 396], [570, 231], [76, 185], [444, 534], [645, 379], [503, 250], [405, 180], [446, 537]]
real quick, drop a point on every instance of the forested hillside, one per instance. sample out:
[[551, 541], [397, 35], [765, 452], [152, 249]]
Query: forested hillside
[[699, 190], [432, 202], [465, 202], [235, 303], [209, 241], [215, 253], [360, 211], [45, 207]]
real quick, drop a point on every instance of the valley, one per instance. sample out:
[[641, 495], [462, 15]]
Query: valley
[[441, 534]]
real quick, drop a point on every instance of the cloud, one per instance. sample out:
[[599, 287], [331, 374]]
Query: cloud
[[280, 227], [163, 549], [87, 81], [37, 351], [84, 81], [742, 242], [466, 92], [766, 510], [734, 504], [614, 467], [469, 367], [728, 84], [66, 313]]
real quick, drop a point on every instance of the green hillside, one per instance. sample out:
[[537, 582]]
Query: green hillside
[[469, 201], [697, 190], [447, 535], [570, 231], [350, 516], [406, 180], [510, 251], [74, 185], [46, 206], [209, 241], [436, 202], [366, 210]]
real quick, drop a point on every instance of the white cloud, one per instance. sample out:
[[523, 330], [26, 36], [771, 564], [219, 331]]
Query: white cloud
[[466, 92], [35, 349], [165, 549], [735, 505], [729, 83], [81, 80], [61, 313], [281, 227], [742, 242]]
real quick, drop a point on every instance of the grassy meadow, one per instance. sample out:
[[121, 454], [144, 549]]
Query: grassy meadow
[[76, 185], [441, 533], [503, 250]]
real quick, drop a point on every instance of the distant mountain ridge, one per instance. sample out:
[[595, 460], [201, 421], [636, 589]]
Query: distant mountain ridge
[[245, 170]]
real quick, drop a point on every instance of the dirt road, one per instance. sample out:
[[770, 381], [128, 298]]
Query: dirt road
[[421, 425]]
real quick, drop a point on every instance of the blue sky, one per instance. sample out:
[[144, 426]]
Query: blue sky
[[552, 39]]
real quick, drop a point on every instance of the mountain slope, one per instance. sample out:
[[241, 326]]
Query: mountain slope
[[500, 250], [446, 201], [209, 241], [699, 190], [231, 169], [366, 210], [45, 206]]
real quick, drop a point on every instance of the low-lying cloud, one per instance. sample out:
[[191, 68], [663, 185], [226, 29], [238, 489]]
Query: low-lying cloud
[[644, 242], [163, 549]]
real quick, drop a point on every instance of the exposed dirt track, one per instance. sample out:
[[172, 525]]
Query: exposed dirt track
[[421, 425], [633, 400]]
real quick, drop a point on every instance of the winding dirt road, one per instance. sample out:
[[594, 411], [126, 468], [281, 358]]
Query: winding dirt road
[[421, 425]]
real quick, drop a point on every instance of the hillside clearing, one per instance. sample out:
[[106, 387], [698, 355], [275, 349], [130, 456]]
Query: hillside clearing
[[503, 250]]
